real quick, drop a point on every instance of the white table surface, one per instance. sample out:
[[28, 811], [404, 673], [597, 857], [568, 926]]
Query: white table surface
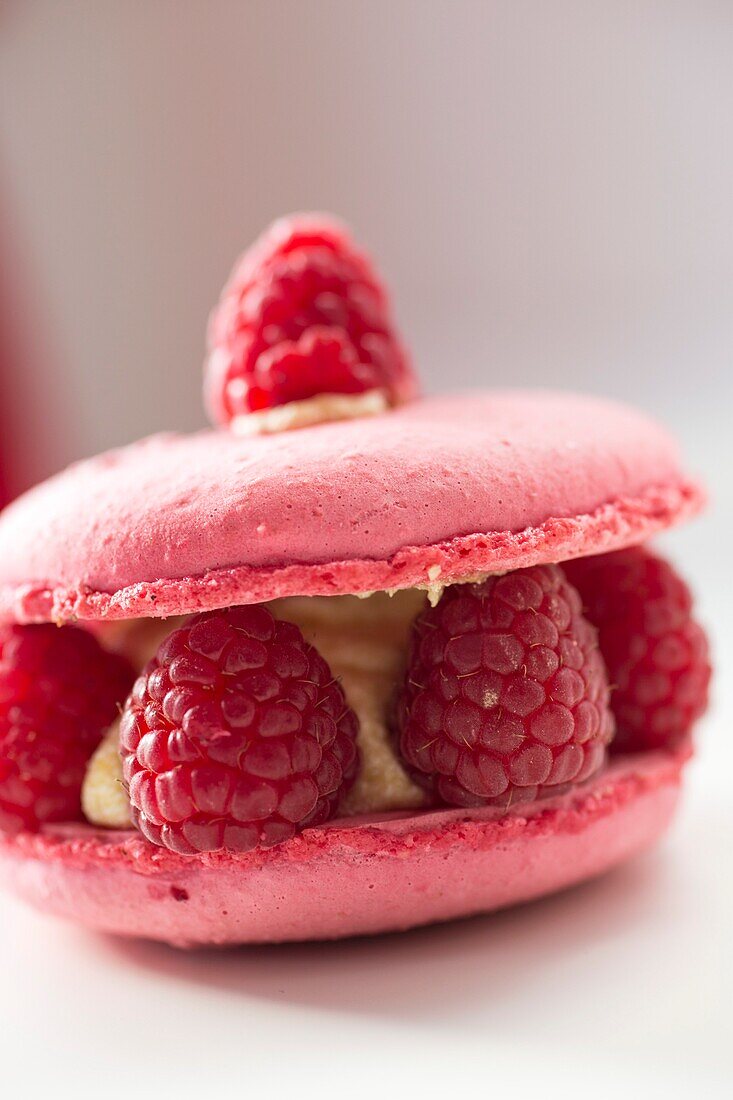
[[622, 985]]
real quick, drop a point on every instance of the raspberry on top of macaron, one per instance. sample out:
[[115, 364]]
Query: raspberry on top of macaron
[[304, 322]]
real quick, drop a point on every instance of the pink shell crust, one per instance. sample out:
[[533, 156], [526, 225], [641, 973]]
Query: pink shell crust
[[447, 487], [349, 877]]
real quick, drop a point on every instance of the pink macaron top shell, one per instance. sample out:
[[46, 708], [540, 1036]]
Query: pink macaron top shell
[[440, 489]]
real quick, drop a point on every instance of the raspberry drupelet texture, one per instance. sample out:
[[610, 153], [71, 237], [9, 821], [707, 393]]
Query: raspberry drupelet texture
[[235, 736], [656, 654], [505, 696], [303, 314], [59, 692]]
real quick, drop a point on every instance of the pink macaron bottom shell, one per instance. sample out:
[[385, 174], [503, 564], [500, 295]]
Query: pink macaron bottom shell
[[351, 877]]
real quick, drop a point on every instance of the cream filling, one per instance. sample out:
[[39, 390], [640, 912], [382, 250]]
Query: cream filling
[[103, 796], [365, 643], [364, 640], [312, 410]]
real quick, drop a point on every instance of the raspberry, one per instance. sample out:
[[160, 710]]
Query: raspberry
[[505, 696], [59, 691], [235, 736], [303, 313], [655, 652]]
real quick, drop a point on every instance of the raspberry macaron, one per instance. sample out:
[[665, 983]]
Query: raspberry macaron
[[353, 660]]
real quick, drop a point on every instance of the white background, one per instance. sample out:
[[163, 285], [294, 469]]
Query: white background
[[548, 188]]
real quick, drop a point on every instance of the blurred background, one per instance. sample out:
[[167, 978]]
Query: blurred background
[[548, 190]]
